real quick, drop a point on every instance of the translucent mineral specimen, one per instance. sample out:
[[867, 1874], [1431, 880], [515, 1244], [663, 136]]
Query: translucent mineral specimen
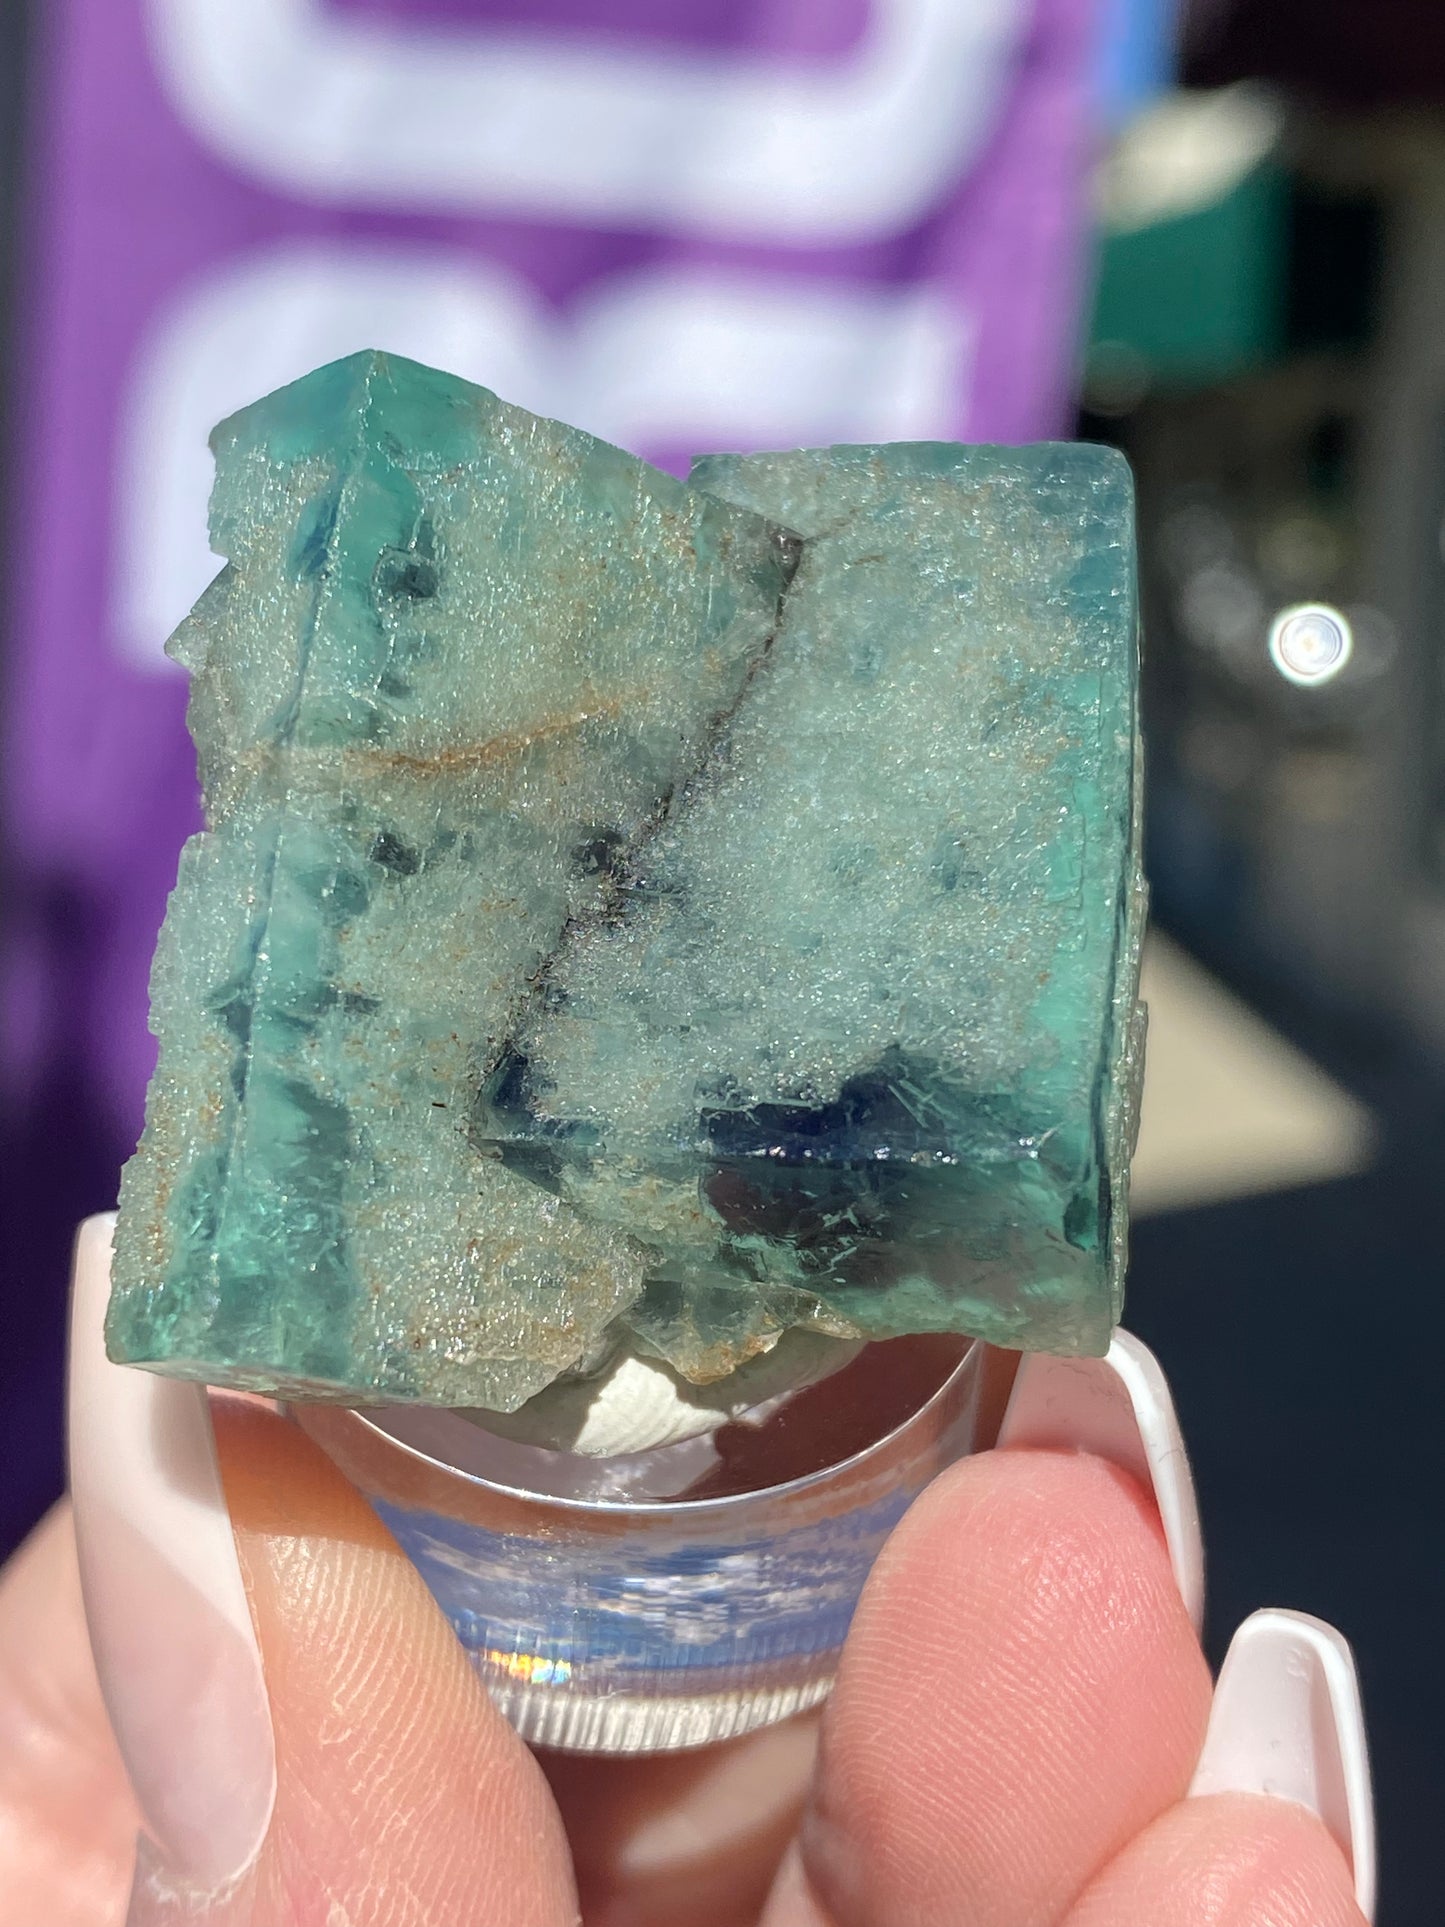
[[623, 922]]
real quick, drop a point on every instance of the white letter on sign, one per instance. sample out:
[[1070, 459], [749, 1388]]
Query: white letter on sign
[[554, 127], [664, 358]]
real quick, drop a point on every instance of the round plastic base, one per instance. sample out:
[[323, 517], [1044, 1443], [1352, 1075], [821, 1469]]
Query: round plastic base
[[681, 1597]]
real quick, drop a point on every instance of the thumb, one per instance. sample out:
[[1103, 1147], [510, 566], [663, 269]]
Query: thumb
[[400, 1797]]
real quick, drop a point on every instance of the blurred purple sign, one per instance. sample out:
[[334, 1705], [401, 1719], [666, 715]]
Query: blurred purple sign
[[681, 226]]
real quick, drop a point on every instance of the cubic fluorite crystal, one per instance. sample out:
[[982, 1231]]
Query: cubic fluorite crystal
[[637, 913]]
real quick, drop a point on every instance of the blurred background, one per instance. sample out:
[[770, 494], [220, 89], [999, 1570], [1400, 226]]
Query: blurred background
[[1214, 237]]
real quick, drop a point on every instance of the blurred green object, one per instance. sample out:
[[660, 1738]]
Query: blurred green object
[[635, 913], [1193, 247]]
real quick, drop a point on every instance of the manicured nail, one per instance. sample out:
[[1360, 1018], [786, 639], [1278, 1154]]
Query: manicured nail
[[174, 1645], [1119, 1408], [1287, 1721], [159, 1899]]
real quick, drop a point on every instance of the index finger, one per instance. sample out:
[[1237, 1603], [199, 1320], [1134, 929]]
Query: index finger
[[1021, 1694]]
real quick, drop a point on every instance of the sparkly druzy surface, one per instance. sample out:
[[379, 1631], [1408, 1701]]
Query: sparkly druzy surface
[[621, 922]]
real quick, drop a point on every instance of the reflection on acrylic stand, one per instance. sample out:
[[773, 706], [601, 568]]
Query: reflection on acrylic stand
[[715, 1595]]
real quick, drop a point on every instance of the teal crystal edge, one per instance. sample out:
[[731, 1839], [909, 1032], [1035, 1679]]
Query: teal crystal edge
[[634, 912]]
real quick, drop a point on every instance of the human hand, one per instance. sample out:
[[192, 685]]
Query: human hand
[[1018, 1718]]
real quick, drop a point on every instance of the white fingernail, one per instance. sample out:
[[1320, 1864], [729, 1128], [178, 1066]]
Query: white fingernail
[[1287, 1721], [174, 1644], [158, 1899], [1118, 1407]]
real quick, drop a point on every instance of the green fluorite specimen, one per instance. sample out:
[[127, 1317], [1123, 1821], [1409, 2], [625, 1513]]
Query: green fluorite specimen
[[621, 921]]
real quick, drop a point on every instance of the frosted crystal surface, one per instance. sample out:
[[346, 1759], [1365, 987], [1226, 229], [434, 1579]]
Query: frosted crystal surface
[[620, 921]]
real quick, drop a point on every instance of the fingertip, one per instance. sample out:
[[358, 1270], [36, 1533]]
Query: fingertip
[[280, 1483], [1021, 1692], [401, 1787], [68, 1818], [1225, 1860], [1120, 1408]]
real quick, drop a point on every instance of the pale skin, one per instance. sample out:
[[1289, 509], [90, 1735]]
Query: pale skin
[[1014, 1728]]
